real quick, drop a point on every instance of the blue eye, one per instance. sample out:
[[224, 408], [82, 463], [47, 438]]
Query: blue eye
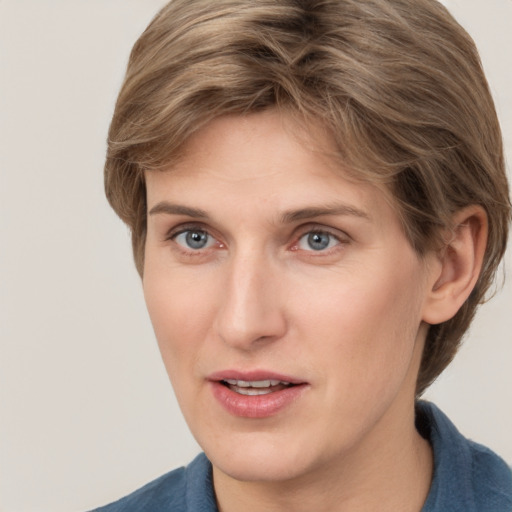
[[195, 239], [317, 241]]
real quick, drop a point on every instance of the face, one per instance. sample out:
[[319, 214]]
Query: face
[[285, 298]]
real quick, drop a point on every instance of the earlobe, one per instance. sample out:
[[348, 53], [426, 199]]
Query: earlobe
[[458, 265]]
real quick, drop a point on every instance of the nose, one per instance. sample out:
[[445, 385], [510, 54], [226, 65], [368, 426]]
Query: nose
[[251, 312]]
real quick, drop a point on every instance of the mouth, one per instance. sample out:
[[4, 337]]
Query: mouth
[[256, 387], [255, 394]]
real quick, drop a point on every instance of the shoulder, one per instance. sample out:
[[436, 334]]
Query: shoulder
[[467, 476], [492, 479], [161, 494], [173, 491]]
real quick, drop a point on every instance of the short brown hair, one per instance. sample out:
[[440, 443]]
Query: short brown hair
[[398, 83]]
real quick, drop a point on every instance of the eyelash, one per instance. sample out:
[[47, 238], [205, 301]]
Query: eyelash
[[318, 232], [190, 228], [305, 231]]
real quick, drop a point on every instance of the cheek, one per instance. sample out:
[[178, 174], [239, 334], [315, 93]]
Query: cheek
[[178, 323], [364, 324], [180, 312]]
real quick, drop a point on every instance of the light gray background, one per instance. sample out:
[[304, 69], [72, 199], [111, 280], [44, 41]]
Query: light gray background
[[86, 412]]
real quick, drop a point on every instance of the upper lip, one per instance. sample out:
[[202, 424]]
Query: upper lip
[[253, 375]]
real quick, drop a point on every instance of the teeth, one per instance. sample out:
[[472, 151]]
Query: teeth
[[255, 387], [255, 383], [253, 391]]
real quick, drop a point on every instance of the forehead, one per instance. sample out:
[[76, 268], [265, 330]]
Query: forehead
[[266, 158]]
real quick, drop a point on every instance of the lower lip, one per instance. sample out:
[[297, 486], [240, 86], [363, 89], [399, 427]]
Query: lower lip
[[256, 406]]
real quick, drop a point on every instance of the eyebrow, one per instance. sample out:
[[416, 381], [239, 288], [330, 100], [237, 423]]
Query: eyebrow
[[320, 211], [287, 217], [178, 209]]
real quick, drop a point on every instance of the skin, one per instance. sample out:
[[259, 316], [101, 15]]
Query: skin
[[349, 320]]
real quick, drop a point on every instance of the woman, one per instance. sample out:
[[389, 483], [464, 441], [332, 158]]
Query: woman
[[318, 203]]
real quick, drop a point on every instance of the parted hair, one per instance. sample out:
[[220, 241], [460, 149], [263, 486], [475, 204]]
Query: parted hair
[[398, 84]]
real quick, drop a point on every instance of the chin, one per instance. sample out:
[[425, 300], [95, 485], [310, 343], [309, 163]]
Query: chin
[[259, 469], [263, 459]]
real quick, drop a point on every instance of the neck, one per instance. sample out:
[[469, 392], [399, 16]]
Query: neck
[[390, 471]]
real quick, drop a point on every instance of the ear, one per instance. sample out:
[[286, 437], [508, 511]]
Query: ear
[[457, 266]]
